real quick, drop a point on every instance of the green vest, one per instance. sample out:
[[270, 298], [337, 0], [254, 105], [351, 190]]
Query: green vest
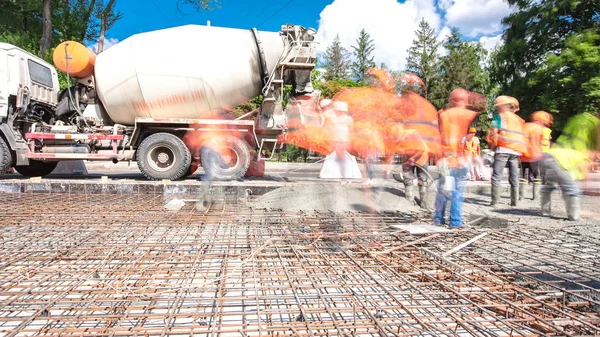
[[580, 133]]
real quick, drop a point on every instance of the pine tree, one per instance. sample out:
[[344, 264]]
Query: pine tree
[[336, 62], [461, 67], [363, 54], [422, 57]]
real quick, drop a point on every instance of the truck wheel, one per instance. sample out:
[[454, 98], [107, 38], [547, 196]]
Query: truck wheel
[[231, 165], [5, 157], [191, 170], [163, 156], [37, 168]]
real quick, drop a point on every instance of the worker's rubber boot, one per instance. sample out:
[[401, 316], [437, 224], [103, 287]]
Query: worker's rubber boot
[[409, 194], [537, 186], [514, 195], [522, 184], [423, 197], [496, 192], [573, 204], [546, 203]]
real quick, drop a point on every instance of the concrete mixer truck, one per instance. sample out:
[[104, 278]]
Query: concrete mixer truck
[[160, 98]]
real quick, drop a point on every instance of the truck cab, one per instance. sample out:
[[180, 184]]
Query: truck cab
[[28, 86]]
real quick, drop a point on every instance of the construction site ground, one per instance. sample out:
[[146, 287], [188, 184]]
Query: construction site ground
[[287, 255]]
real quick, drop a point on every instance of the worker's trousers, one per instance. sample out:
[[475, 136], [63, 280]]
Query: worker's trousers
[[456, 198], [412, 172], [558, 177], [500, 161]]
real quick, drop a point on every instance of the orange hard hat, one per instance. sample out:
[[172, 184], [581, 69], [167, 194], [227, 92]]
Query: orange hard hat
[[503, 100], [472, 130], [542, 117], [515, 102], [459, 95]]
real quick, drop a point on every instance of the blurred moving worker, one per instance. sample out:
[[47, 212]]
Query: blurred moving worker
[[506, 137], [537, 137], [569, 160], [421, 140], [454, 123], [472, 151]]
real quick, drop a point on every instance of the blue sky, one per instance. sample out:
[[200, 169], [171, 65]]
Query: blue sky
[[390, 23], [157, 14]]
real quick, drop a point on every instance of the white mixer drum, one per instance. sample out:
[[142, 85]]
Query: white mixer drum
[[183, 72]]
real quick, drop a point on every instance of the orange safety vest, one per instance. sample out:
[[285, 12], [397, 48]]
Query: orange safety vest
[[534, 137], [471, 146], [423, 119], [454, 124], [510, 133]]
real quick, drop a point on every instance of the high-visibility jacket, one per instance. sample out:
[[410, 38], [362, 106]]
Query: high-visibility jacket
[[417, 144], [580, 133], [509, 135], [471, 147], [546, 139], [577, 138], [534, 137], [454, 124], [422, 118]]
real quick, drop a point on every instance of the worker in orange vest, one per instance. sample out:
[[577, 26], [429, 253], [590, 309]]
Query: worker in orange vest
[[421, 140], [537, 136], [472, 151], [506, 137], [454, 124]]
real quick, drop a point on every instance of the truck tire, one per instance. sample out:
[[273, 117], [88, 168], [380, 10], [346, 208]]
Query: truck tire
[[193, 168], [37, 168], [232, 167], [5, 157], [163, 156]]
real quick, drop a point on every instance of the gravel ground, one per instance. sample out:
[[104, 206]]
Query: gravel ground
[[336, 197]]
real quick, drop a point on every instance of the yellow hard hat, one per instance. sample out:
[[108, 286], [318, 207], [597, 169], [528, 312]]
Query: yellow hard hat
[[503, 100], [472, 130]]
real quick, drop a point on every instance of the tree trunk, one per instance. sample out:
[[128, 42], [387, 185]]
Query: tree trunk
[[46, 39], [86, 19], [106, 10]]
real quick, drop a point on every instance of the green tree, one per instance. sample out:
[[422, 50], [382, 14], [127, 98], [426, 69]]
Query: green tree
[[363, 54], [462, 67], [336, 64], [423, 58], [549, 57], [198, 5]]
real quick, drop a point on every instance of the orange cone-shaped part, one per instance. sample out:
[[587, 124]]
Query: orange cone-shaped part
[[74, 59]]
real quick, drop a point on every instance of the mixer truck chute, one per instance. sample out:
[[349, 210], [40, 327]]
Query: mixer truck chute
[[161, 98]]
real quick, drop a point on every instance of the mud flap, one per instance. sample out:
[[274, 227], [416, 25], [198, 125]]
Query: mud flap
[[256, 169]]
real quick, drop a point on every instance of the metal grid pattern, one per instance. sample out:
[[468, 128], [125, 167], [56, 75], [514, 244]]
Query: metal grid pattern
[[115, 265]]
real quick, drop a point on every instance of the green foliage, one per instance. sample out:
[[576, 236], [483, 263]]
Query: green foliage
[[198, 5], [547, 60], [422, 57], [330, 88], [336, 64], [460, 68], [363, 54]]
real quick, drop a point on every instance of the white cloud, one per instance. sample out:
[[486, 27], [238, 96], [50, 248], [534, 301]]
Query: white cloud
[[107, 44], [476, 17], [443, 35], [491, 42], [391, 25]]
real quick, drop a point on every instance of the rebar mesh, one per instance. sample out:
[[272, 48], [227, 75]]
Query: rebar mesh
[[120, 265]]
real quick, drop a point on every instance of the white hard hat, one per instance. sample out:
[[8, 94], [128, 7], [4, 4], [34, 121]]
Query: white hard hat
[[325, 103], [340, 106]]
